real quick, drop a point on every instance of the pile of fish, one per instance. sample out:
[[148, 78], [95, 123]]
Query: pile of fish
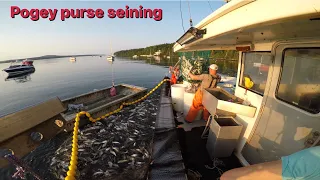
[[118, 147]]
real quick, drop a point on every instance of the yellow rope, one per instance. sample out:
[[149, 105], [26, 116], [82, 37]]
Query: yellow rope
[[74, 155]]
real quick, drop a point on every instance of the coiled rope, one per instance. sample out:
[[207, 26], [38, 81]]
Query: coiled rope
[[74, 155]]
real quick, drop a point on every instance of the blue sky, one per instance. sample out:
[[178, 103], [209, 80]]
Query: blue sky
[[22, 38]]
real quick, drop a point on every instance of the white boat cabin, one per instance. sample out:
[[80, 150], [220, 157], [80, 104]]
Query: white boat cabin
[[279, 49]]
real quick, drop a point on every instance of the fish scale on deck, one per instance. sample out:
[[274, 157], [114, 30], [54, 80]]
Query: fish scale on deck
[[117, 147]]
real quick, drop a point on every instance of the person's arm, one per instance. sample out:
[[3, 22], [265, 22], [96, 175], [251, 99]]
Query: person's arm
[[304, 164], [195, 77], [264, 171]]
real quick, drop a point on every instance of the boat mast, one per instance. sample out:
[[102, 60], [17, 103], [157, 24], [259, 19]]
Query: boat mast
[[111, 49]]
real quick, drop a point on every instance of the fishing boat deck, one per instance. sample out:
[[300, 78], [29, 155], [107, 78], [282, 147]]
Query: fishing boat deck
[[166, 150], [184, 153]]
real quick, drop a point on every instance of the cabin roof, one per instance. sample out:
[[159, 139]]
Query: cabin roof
[[243, 22]]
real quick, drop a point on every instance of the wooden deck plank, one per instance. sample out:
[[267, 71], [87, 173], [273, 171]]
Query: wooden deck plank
[[25, 119]]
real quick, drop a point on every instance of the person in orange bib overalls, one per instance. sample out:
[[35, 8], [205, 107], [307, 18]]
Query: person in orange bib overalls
[[208, 81], [174, 74]]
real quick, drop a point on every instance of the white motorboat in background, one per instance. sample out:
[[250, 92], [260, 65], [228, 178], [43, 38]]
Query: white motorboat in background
[[110, 58], [73, 59]]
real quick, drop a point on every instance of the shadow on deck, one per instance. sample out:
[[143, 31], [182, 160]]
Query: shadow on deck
[[196, 157], [171, 142]]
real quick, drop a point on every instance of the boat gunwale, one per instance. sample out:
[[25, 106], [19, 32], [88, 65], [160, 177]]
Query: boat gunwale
[[64, 100], [100, 108], [91, 92]]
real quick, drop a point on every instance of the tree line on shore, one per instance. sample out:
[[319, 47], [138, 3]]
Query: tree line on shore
[[166, 50]]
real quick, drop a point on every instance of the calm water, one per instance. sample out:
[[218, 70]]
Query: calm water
[[62, 78]]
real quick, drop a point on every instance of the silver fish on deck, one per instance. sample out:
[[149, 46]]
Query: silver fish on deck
[[118, 144], [115, 149], [123, 161], [115, 142], [113, 153]]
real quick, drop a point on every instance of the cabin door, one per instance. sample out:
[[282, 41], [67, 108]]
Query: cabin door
[[290, 118]]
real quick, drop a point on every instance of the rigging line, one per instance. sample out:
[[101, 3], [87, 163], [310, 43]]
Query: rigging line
[[182, 17], [210, 6], [190, 14], [112, 74]]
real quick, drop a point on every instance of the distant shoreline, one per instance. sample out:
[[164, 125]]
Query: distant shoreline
[[48, 57]]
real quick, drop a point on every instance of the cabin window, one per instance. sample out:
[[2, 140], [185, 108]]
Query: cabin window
[[255, 71], [299, 84]]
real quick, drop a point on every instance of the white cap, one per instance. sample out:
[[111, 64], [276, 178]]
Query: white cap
[[213, 67]]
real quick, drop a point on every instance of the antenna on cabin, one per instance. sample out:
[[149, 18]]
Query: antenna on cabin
[[227, 1]]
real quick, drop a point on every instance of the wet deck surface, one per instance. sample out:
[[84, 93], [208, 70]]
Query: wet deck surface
[[167, 159], [196, 158]]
